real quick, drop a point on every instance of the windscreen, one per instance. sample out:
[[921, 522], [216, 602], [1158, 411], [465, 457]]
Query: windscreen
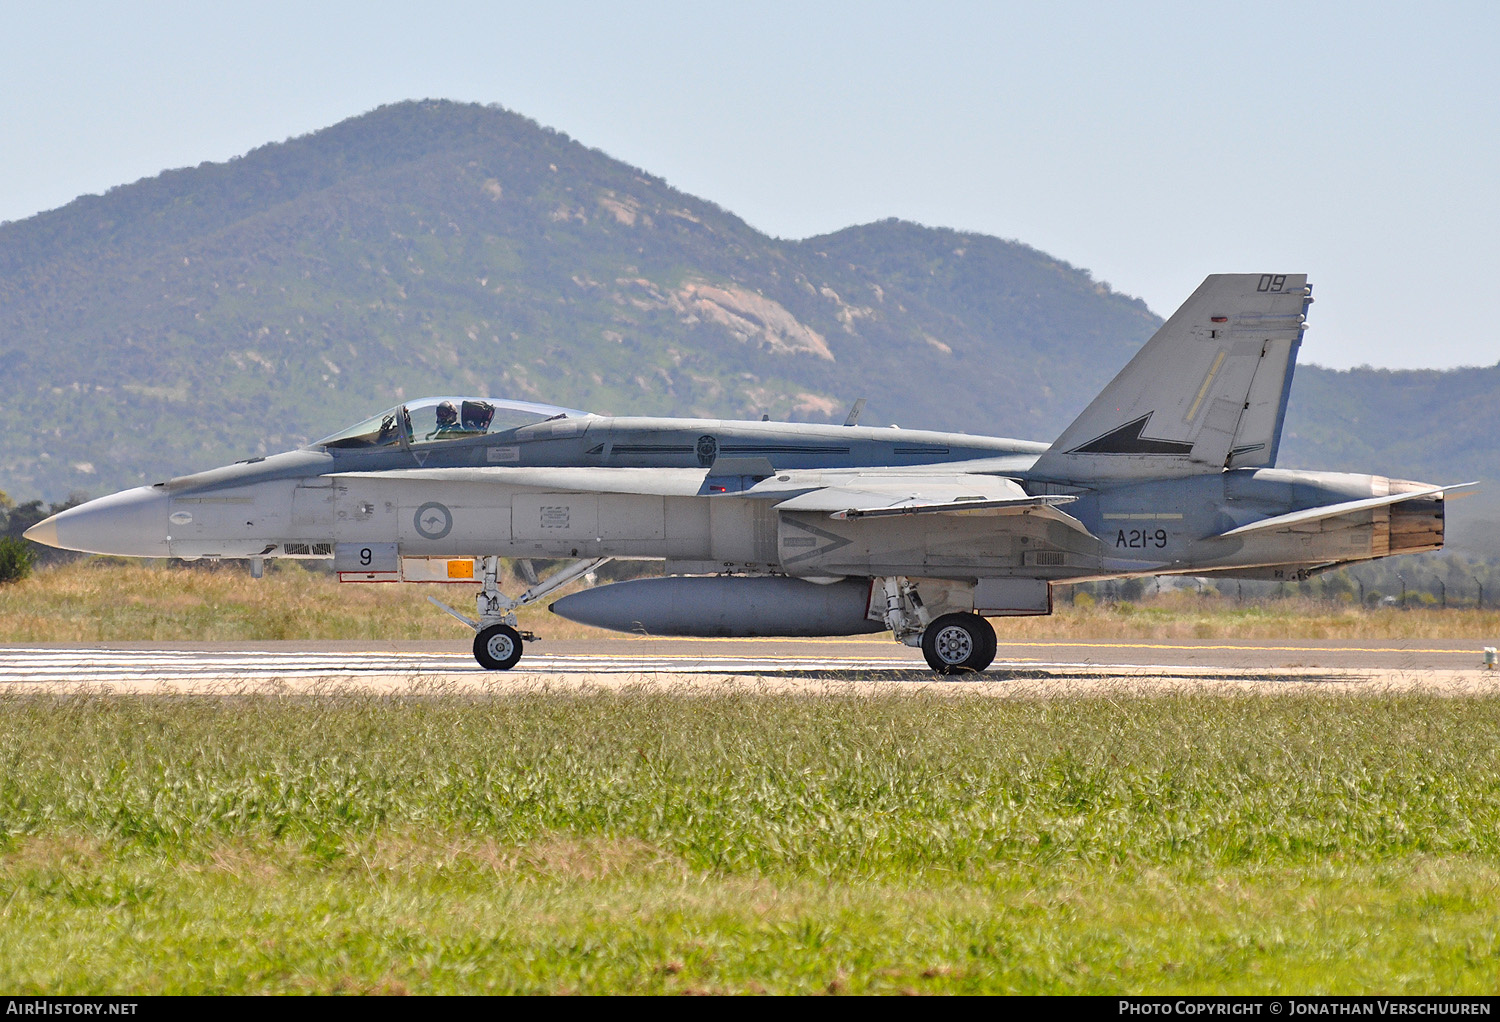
[[381, 430]]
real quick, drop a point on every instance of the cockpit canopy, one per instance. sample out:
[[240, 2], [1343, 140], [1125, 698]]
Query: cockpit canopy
[[438, 419]]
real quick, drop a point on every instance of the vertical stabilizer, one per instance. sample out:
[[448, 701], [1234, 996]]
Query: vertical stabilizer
[[1206, 393]]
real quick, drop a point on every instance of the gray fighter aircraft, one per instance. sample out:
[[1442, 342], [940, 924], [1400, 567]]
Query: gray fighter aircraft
[[771, 528]]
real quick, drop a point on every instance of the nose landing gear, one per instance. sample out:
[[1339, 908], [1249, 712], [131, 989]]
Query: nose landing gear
[[497, 643]]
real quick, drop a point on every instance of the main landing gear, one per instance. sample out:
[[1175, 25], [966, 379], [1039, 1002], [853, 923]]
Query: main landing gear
[[960, 643], [497, 642]]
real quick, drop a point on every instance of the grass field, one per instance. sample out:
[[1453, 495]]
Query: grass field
[[645, 843], [104, 600]]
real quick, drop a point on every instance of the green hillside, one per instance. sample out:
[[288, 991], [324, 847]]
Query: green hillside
[[1440, 427], [217, 312], [245, 307]]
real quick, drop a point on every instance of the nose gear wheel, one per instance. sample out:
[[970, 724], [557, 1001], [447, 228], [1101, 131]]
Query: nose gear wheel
[[497, 647]]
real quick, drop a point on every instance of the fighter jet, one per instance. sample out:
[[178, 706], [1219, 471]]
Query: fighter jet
[[789, 529]]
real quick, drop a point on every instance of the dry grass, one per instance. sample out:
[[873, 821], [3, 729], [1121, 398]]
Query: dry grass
[[108, 600], [1186, 615], [104, 600]]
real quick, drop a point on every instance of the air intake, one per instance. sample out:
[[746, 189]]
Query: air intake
[[307, 549]]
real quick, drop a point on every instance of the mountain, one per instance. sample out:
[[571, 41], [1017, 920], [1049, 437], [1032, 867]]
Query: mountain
[[1419, 424], [1437, 426], [240, 308]]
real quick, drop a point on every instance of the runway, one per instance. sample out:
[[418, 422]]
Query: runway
[[859, 664]]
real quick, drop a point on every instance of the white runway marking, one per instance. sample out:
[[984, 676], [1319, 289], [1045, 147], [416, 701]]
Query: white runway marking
[[106, 665], [248, 671]]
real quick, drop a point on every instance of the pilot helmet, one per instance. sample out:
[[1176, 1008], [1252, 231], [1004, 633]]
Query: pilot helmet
[[447, 414]]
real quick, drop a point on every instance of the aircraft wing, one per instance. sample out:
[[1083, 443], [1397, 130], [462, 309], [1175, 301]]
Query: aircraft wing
[[1315, 514], [865, 493], [960, 506], [861, 488], [891, 496]]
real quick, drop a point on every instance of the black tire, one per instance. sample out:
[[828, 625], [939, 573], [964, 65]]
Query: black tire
[[991, 645], [497, 647], [959, 644]]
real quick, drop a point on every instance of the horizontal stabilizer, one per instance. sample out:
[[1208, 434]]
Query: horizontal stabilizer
[[1314, 514]]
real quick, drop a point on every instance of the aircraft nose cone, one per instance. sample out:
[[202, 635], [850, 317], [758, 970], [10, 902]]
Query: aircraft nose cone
[[44, 532], [132, 523]]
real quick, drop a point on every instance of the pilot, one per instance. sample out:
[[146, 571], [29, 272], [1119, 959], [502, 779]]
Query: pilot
[[447, 419]]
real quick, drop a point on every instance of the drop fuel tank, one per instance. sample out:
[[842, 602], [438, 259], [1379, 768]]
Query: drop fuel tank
[[724, 606]]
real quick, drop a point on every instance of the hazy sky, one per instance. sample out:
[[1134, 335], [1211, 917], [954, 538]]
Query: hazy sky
[[1151, 143]]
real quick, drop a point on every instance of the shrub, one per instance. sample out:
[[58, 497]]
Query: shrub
[[16, 558]]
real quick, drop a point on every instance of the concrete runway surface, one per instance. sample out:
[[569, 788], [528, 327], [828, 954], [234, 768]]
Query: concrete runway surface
[[859, 665]]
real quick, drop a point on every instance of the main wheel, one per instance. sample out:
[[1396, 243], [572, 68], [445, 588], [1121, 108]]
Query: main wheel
[[991, 644], [497, 647], [959, 643]]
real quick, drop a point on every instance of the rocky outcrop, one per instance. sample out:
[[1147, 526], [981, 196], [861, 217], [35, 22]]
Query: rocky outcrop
[[749, 317]]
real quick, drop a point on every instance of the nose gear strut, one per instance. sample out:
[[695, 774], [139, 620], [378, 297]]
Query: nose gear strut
[[497, 642]]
